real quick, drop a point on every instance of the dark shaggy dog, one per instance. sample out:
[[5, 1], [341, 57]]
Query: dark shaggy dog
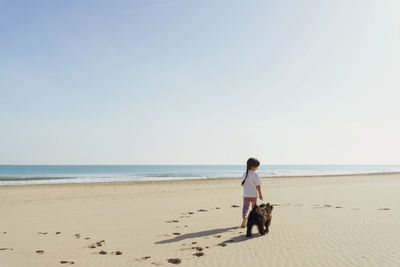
[[260, 216]]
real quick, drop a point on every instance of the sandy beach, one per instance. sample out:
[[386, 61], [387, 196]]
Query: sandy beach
[[349, 220]]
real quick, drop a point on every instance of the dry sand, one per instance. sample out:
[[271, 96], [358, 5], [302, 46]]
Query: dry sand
[[319, 221]]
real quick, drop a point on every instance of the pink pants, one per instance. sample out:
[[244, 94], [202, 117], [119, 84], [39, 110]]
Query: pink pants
[[246, 204]]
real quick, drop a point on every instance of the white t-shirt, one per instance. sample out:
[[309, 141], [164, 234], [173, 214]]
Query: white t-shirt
[[249, 187]]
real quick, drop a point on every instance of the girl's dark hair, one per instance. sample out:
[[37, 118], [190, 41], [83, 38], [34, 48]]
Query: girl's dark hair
[[251, 162]]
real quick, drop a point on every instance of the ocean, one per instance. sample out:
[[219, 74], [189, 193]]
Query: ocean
[[52, 174]]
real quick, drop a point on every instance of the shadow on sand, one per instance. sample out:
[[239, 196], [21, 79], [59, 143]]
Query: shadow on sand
[[197, 234], [236, 239]]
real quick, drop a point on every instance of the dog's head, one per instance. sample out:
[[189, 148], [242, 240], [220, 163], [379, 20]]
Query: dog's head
[[268, 207]]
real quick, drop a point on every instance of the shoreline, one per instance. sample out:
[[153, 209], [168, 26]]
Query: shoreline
[[197, 180]]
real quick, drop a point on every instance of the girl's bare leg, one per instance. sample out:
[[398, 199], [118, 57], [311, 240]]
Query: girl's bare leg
[[243, 223], [246, 204]]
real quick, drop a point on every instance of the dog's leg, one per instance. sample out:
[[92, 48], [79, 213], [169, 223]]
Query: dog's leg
[[249, 227], [267, 224], [261, 228]]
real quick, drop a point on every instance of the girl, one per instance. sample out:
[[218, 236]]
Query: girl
[[251, 186]]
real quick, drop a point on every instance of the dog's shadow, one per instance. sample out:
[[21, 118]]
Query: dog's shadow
[[205, 233]]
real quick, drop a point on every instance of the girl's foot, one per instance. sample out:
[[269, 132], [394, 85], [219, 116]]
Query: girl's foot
[[243, 223]]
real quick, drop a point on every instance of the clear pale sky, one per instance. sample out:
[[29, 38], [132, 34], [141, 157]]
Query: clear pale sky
[[199, 82]]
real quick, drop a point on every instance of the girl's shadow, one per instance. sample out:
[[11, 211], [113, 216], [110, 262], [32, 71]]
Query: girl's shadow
[[204, 234]]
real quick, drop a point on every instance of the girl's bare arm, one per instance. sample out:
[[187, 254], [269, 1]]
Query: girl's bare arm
[[259, 192]]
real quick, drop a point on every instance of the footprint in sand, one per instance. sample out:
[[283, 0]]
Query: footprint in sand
[[339, 207], [384, 209], [97, 244], [77, 235], [324, 206], [102, 252], [202, 210], [194, 243], [39, 251], [67, 262], [217, 236], [100, 243], [42, 233], [198, 248], [4, 232], [217, 208], [174, 261], [172, 221], [6, 249], [143, 258], [116, 252], [223, 244], [198, 254], [235, 206], [190, 212], [57, 233]]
